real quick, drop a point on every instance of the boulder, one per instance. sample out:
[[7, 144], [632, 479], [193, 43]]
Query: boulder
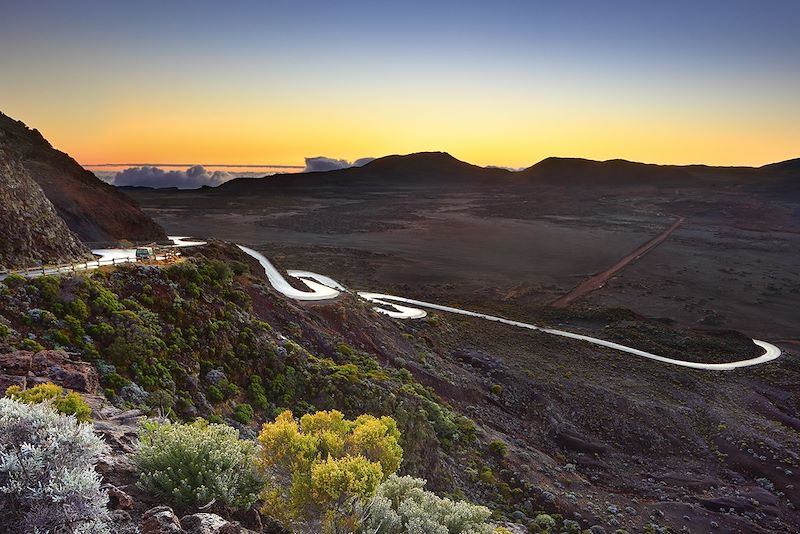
[[118, 499], [29, 369], [120, 430], [209, 524], [7, 381], [123, 523], [161, 520]]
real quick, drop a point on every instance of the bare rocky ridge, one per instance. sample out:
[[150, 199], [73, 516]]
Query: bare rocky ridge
[[94, 210], [30, 229]]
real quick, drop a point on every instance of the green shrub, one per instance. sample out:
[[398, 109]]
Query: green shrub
[[544, 521], [486, 475], [116, 381], [498, 448], [64, 402], [229, 389], [79, 309], [31, 345], [214, 394], [101, 331], [401, 506], [191, 465], [15, 280], [345, 350], [257, 393], [243, 413], [49, 287]]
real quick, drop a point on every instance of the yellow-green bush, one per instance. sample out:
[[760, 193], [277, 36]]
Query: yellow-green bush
[[351, 475], [328, 459], [65, 402]]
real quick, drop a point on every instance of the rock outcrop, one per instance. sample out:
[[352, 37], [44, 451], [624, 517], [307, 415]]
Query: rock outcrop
[[95, 211], [209, 524], [162, 520], [27, 369], [30, 229]]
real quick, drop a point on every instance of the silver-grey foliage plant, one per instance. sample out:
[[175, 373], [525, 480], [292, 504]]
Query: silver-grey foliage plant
[[48, 483], [402, 506]]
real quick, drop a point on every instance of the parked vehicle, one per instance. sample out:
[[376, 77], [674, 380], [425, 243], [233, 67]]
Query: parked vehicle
[[144, 254]]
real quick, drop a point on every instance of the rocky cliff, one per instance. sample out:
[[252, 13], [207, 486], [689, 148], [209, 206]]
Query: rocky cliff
[[94, 210], [30, 229]]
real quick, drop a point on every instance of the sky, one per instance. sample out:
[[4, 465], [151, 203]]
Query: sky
[[494, 83]]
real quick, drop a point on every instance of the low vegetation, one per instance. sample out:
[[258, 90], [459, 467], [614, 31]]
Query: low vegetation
[[64, 402], [327, 459], [193, 465], [184, 342], [47, 477], [402, 506]]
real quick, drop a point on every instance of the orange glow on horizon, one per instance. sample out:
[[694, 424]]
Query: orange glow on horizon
[[168, 129]]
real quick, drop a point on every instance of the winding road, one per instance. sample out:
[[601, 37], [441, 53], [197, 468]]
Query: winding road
[[321, 287]]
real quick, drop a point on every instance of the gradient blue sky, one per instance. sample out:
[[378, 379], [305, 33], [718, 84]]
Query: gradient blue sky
[[504, 83]]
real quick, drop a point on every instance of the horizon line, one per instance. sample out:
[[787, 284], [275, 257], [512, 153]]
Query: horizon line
[[249, 165]]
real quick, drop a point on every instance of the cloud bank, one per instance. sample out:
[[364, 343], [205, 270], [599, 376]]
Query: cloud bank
[[322, 163], [506, 168], [191, 178], [197, 176]]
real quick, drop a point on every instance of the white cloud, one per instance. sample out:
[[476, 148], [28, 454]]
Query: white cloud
[[322, 163], [512, 169], [191, 178]]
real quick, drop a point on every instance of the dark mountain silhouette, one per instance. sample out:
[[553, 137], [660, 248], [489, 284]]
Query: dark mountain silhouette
[[788, 166], [430, 168], [92, 209], [619, 172], [588, 172], [442, 169]]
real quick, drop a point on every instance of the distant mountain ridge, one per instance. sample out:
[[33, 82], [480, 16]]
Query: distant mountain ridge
[[441, 167], [432, 167], [791, 165], [92, 209]]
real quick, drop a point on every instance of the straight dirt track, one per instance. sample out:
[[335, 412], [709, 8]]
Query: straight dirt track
[[598, 280]]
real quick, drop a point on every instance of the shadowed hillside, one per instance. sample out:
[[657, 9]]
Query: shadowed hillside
[[92, 209], [30, 230]]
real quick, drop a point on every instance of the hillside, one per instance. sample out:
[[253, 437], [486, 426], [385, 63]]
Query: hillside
[[92, 209], [618, 172], [576, 171], [788, 166], [30, 230], [526, 424]]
